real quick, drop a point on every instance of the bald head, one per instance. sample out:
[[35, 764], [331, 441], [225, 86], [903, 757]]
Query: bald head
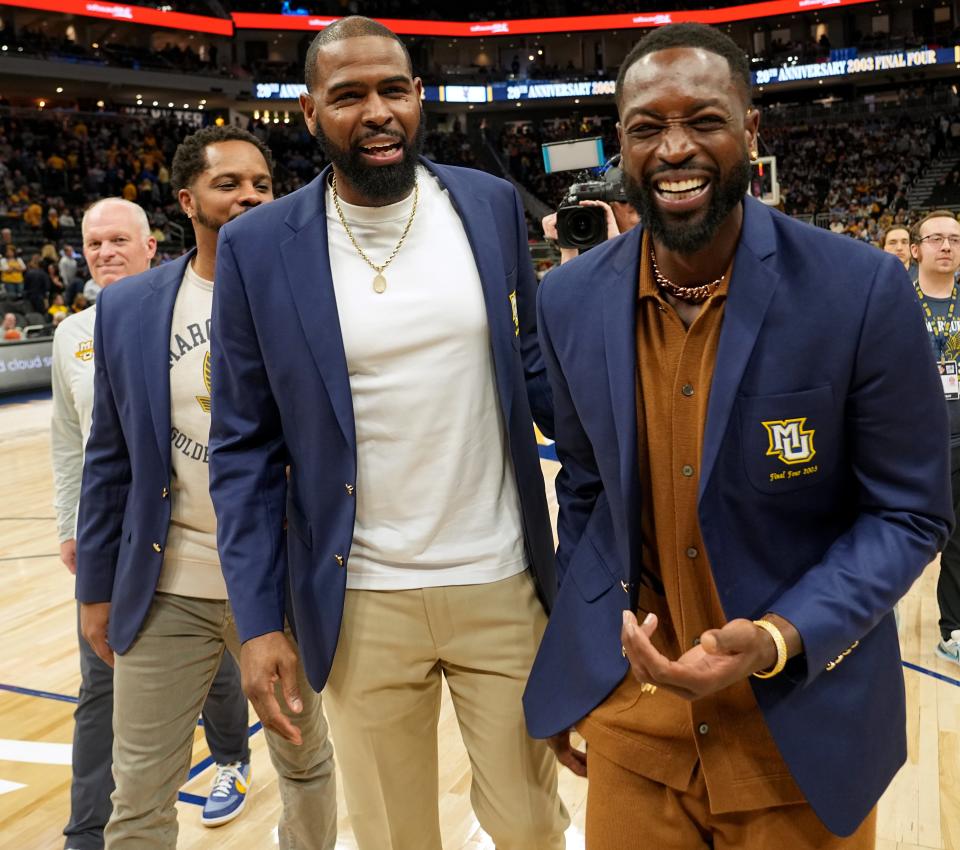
[[115, 208], [355, 26], [116, 240]]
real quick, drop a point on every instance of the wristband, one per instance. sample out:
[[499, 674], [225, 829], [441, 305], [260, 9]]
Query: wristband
[[781, 645]]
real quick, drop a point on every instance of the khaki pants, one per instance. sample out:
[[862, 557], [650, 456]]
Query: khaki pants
[[383, 698], [625, 809], [160, 684]]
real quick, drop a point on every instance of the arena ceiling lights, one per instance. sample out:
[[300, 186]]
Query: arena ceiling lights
[[122, 12]]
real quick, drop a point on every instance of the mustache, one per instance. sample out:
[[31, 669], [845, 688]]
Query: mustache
[[394, 134]]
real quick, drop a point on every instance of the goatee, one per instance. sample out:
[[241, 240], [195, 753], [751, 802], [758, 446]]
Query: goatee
[[383, 183], [689, 236]]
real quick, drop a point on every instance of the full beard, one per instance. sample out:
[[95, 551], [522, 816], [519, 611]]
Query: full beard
[[382, 183], [690, 236]]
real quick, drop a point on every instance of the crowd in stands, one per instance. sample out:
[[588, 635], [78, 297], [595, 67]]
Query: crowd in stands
[[53, 165], [853, 176], [37, 43], [857, 172]]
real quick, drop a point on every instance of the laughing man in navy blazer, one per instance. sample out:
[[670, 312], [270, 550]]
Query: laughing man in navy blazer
[[754, 470], [375, 332]]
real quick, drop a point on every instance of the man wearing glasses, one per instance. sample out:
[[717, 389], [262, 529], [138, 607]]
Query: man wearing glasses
[[936, 248]]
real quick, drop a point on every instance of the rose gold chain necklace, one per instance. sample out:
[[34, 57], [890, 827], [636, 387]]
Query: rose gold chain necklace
[[690, 294]]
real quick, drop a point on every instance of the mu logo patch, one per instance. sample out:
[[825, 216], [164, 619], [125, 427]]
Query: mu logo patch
[[84, 350], [790, 441]]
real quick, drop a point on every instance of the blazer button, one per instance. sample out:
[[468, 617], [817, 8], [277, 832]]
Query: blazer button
[[703, 728], [686, 470], [164, 493], [156, 547], [348, 488], [687, 390], [338, 559], [692, 552]]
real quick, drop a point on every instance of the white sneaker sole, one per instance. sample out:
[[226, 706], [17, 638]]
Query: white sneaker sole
[[946, 656], [220, 821]]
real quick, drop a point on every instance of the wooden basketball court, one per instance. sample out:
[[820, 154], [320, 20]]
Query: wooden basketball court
[[39, 678]]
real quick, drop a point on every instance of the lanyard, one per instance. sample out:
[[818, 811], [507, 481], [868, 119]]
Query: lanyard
[[940, 343]]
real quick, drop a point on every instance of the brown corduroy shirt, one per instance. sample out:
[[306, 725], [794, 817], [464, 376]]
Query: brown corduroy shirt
[[661, 736]]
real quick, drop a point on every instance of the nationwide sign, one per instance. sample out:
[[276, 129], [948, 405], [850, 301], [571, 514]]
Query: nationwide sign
[[127, 13], [536, 26], [465, 29], [876, 63]]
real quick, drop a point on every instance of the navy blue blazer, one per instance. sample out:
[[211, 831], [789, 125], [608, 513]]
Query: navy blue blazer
[[816, 328], [281, 395], [125, 496]]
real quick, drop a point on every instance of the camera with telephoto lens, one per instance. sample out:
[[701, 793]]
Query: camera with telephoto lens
[[584, 227]]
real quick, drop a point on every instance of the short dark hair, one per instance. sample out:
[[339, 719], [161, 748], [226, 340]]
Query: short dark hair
[[690, 35], [354, 26], [890, 230], [191, 156], [915, 235]]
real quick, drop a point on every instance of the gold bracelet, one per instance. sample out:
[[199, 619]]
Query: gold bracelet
[[781, 645]]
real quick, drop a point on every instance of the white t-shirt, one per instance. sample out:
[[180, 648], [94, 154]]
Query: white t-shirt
[[437, 501], [72, 378], [191, 565]]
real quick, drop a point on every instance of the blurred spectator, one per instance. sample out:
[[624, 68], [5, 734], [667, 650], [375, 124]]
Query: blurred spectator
[[11, 333], [51, 225], [68, 266], [36, 285], [12, 269], [57, 308], [79, 303]]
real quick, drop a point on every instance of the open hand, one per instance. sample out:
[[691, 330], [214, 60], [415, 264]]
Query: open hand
[[722, 657]]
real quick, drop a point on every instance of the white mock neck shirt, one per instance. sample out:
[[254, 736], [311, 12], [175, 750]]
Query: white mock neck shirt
[[436, 494]]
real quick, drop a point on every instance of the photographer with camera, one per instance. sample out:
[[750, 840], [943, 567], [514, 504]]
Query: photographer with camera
[[619, 219], [591, 213]]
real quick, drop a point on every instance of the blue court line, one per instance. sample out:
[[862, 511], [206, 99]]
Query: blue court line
[[30, 692], [195, 771], [917, 668], [25, 396]]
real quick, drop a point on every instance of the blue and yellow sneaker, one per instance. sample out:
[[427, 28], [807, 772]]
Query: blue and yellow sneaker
[[228, 794]]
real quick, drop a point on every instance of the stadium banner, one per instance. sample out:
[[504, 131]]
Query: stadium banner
[[519, 90], [25, 365], [853, 65], [125, 13], [537, 26]]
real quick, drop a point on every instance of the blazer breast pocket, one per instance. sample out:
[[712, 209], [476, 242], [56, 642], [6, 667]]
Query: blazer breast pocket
[[790, 441]]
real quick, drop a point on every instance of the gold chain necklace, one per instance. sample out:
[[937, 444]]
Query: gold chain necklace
[[379, 281], [690, 294]]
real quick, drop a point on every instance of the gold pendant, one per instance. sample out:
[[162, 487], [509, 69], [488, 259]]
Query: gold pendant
[[379, 284]]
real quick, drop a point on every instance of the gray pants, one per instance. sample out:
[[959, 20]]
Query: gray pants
[[224, 721], [160, 683]]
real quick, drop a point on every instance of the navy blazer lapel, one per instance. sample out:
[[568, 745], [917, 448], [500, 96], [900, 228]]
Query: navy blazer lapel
[[306, 260], [620, 344], [156, 321], [478, 222], [752, 286]]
